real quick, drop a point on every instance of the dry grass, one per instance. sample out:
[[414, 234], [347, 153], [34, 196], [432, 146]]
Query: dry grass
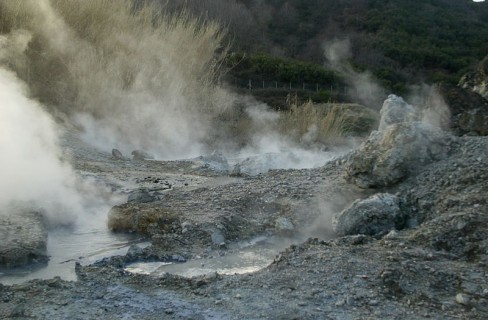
[[326, 123], [140, 77], [84, 53]]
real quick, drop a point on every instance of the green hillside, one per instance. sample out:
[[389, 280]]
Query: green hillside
[[398, 41]]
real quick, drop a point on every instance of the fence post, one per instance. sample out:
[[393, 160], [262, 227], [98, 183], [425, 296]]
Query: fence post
[[250, 84]]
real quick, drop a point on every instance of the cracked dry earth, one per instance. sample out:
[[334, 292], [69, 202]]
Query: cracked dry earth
[[434, 270]]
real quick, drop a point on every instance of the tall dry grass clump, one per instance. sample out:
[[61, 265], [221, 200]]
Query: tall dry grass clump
[[128, 74], [328, 124]]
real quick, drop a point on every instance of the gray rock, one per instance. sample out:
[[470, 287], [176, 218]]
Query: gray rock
[[218, 237], [284, 225], [389, 156], [23, 237], [117, 155], [375, 215], [463, 299], [216, 161], [395, 110]]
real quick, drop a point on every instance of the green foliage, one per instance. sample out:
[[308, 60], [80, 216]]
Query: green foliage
[[265, 67]]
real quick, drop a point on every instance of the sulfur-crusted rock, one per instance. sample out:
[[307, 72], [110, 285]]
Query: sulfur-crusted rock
[[388, 156]]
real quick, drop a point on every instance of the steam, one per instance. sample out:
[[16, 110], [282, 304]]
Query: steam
[[130, 78], [30, 164], [361, 85], [432, 107], [32, 168]]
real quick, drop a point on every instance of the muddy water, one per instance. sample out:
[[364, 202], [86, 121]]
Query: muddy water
[[248, 257], [66, 246]]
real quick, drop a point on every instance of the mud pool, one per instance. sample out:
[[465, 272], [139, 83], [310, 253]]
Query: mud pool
[[66, 246]]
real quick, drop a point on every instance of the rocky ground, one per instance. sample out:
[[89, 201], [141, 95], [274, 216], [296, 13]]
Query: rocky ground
[[427, 259]]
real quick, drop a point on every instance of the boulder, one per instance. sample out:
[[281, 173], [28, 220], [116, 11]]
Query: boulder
[[142, 218], [389, 156], [376, 215], [23, 237], [117, 155]]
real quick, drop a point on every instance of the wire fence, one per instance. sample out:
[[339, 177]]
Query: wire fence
[[288, 86]]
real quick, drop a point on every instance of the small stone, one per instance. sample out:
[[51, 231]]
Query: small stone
[[284, 225], [392, 235], [373, 302], [340, 303], [238, 296], [302, 304], [218, 302], [463, 299]]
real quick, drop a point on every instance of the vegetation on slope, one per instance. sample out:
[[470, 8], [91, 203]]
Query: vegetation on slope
[[399, 41]]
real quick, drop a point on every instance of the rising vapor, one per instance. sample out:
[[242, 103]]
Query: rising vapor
[[131, 78]]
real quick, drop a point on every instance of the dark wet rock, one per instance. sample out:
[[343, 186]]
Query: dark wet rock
[[390, 155], [469, 110], [23, 237], [142, 218], [376, 215], [140, 155]]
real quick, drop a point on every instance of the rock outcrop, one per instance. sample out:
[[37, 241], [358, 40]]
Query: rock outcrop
[[469, 111], [389, 156], [477, 81], [398, 148]]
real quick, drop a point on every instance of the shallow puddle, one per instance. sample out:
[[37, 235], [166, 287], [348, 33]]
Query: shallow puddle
[[247, 258]]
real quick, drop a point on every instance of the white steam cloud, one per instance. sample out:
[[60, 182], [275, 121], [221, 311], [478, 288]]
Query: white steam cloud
[[32, 168], [361, 85]]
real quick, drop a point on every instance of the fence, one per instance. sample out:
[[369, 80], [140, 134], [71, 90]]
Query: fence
[[288, 86]]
